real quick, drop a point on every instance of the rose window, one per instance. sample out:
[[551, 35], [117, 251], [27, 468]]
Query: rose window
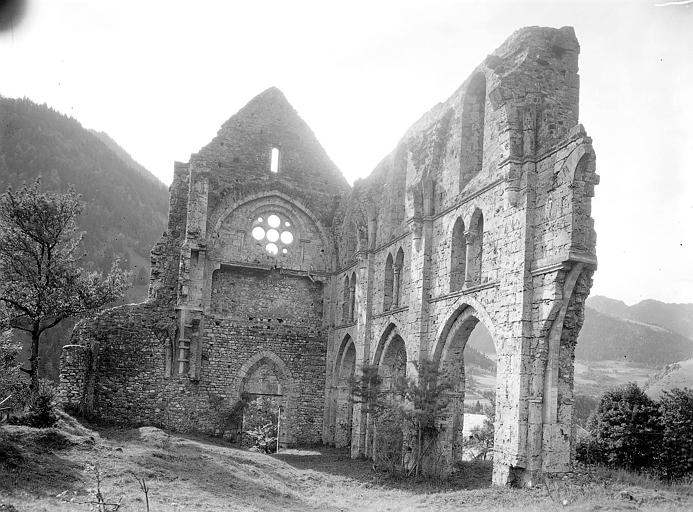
[[274, 232]]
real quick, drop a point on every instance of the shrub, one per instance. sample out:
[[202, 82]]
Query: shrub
[[41, 409], [627, 428], [388, 443], [676, 453], [14, 387], [264, 437], [260, 423]]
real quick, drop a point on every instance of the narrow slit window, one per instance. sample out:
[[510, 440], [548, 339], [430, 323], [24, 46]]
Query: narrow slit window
[[274, 161]]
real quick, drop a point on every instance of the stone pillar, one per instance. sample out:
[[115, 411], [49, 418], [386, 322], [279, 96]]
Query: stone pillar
[[75, 366], [469, 264], [363, 317], [395, 285]]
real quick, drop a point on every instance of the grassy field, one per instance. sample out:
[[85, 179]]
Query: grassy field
[[56, 470], [592, 378]]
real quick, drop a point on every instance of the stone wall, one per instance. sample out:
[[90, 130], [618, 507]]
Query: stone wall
[[481, 213]]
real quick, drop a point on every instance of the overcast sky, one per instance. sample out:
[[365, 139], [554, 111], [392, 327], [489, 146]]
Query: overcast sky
[[161, 77]]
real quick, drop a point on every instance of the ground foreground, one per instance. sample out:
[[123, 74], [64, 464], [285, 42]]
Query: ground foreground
[[56, 470]]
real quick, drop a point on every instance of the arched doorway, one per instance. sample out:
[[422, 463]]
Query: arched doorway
[[344, 402], [466, 360], [266, 386], [390, 362]]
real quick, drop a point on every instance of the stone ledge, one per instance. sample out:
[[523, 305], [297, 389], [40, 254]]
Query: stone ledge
[[465, 291], [345, 326], [390, 312]]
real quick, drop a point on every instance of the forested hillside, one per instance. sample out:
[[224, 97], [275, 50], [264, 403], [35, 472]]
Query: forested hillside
[[675, 317], [609, 334], [124, 210], [605, 337], [125, 205]]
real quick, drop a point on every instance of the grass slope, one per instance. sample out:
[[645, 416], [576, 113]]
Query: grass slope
[[677, 375], [55, 469]]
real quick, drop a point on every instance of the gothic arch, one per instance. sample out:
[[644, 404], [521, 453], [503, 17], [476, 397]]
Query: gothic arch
[[466, 307], [472, 129], [449, 357], [388, 283], [265, 357], [286, 393], [291, 204], [342, 413]]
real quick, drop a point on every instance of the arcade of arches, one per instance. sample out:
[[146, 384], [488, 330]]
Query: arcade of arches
[[276, 278]]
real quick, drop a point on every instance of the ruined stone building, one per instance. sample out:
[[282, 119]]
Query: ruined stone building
[[277, 277]]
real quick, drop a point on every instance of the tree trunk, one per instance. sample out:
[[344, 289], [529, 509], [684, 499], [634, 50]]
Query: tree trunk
[[34, 359]]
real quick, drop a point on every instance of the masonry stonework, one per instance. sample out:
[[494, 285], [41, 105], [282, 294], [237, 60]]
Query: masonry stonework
[[277, 277]]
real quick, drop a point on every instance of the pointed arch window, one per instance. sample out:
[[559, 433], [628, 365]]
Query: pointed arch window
[[352, 297], [397, 278], [346, 316], [473, 121], [458, 256], [389, 281]]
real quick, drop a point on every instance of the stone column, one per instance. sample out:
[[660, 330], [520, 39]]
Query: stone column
[[469, 267], [395, 286]]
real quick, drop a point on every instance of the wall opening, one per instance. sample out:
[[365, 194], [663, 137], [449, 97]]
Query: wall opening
[[274, 232], [263, 391], [346, 317], [458, 256], [473, 120], [344, 401], [388, 283], [398, 270], [391, 361], [274, 160], [468, 362], [352, 297]]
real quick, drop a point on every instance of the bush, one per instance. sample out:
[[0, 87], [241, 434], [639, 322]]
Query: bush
[[260, 423], [627, 428], [41, 410], [388, 443], [14, 387], [676, 453]]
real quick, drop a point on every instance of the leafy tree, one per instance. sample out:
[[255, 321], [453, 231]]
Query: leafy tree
[[627, 428], [13, 386], [410, 410], [482, 439], [676, 453], [41, 281], [366, 389], [424, 399]]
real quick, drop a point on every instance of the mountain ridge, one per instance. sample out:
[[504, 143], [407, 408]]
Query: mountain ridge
[[125, 206]]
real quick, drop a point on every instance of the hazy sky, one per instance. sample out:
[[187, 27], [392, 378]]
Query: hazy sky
[[161, 77]]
